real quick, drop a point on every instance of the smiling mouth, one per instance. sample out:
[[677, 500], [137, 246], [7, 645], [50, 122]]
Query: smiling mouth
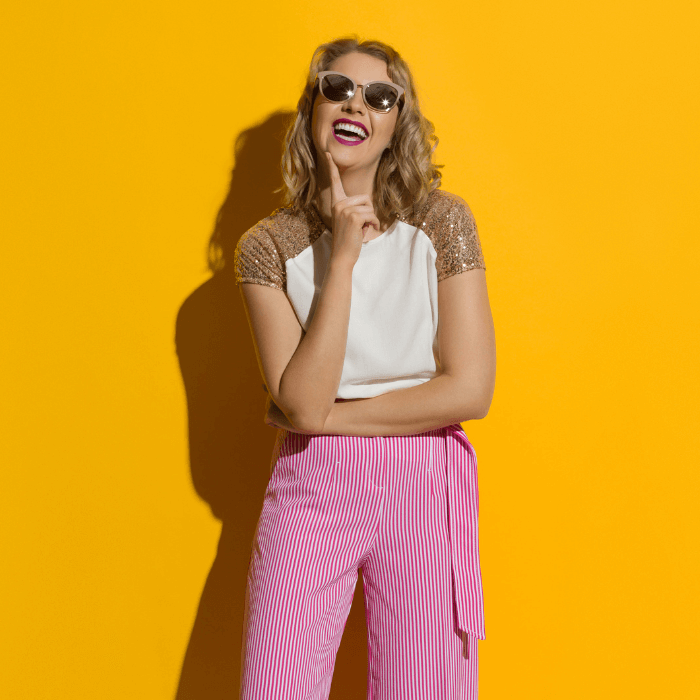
[[345, 133]]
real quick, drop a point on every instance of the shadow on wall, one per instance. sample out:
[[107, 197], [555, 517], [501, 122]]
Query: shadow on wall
[[229, 444]]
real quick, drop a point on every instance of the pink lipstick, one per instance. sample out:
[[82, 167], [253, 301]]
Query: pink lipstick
[[356, 134]]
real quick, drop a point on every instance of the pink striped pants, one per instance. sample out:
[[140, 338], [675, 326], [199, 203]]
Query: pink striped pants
[[405, 509]]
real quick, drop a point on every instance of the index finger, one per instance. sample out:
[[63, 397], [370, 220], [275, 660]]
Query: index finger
[[337, 191]]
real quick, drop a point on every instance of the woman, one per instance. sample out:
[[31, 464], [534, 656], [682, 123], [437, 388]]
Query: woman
[[343, 288]]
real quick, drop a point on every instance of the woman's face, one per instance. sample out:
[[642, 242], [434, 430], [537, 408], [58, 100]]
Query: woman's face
[[365, 154]]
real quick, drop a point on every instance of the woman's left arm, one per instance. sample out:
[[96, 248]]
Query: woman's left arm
[[462, 391]]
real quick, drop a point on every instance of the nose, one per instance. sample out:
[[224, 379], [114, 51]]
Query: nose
[[355, 103]]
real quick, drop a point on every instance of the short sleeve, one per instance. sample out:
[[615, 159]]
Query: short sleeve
[[458, 245], [256, 259]]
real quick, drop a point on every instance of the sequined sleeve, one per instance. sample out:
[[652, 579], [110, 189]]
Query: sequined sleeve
[[458, 245], [257, 260]]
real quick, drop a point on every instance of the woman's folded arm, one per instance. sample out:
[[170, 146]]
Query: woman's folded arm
[[462, 391]]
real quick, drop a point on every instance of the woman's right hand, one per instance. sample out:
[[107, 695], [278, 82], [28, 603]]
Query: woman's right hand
[[351, 216]]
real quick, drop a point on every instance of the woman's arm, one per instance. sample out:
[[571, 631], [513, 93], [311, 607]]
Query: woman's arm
[[464, 389], [304, 386], [302, 370]]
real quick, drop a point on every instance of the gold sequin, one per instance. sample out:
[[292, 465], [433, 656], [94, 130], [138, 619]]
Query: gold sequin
[[262, 251], [449, 223]]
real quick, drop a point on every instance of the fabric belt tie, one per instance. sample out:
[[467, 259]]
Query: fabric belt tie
[[463, 505]]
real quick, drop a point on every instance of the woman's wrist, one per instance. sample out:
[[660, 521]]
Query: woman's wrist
[[340, 264]]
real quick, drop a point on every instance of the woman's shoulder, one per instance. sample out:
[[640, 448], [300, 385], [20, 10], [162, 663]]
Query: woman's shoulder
[[273, 240], [285, 229], [271, 226], [447, 220], [439, 205]]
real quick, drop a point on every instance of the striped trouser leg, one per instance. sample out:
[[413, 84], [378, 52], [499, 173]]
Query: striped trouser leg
[[312, 531], [416, 651], [335, 503]]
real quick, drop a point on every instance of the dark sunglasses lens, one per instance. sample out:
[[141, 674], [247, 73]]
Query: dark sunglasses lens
[[381, 96], [336, 87]]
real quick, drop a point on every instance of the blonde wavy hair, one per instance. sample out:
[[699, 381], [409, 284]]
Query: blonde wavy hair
[[406, 174]]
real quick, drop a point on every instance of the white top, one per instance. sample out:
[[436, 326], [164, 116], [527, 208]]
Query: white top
[[392, 331]]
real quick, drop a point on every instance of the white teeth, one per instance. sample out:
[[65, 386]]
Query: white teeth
[[351, 127]]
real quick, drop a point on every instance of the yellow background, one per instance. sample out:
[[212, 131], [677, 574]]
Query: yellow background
[[571, 130]]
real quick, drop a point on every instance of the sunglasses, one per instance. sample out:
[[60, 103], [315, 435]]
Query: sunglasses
[[379, 95]]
